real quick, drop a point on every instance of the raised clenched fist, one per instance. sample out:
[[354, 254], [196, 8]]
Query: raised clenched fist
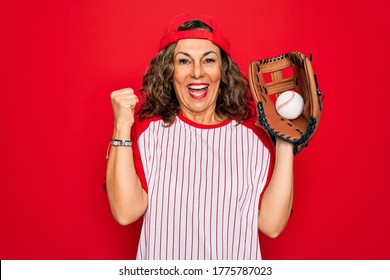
[[123, 102]]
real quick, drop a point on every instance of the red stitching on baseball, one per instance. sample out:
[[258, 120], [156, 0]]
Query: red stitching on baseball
[[286, 102]]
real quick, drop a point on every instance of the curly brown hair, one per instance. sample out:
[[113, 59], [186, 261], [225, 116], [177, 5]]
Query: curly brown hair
[[160, 97]]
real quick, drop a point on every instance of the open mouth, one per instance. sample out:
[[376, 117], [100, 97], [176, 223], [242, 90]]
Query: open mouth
[[198, 91]]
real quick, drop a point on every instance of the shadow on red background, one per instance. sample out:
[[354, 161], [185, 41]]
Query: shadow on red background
[[60, 61]]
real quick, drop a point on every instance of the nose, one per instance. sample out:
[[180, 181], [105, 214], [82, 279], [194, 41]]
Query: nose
[[197, 70]]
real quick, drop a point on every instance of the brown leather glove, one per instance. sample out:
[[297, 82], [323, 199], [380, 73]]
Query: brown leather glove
[[303, 80]]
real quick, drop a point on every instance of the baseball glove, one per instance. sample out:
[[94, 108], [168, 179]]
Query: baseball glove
[[303, 81]]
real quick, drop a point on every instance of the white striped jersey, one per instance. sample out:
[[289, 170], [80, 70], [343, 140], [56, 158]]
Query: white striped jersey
[[204, 184]]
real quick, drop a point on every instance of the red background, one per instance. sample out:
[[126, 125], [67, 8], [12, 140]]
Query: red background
[[60, 60]]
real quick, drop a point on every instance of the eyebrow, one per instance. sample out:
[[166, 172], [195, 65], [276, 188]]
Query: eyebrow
[[203, 55]]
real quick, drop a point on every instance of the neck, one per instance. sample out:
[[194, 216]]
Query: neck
[[206, 118]]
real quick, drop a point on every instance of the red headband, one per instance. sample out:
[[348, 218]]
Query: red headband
[[172, 35]]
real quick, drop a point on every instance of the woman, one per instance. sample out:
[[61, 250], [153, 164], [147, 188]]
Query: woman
[[191, 160]]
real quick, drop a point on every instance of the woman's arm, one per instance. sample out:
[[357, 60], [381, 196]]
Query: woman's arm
[[128, 200], [276, 203]]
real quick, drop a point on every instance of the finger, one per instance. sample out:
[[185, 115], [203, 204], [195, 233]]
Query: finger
[[131, 98], [122, 92], [126, 103]]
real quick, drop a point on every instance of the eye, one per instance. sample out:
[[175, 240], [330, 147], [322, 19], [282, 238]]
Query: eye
[[183, 61], [209, 60]]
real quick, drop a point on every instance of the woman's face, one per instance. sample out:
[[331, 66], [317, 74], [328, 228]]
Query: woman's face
[[196, 76]]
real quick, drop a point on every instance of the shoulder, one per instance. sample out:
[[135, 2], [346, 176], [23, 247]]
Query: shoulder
[[141, 125]]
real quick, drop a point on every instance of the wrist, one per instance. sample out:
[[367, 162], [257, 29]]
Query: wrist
[[284, 146], [121, 143], [118, 143], [121, 132]]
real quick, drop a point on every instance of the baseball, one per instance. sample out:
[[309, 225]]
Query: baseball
[[289, 105]]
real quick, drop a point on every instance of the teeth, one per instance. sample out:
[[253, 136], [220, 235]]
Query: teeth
[[197, 93], [197, 87]]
